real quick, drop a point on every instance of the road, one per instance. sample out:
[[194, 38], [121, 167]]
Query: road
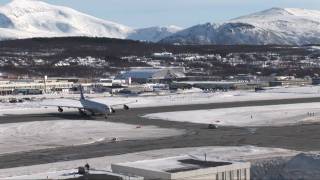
[[299, 137]]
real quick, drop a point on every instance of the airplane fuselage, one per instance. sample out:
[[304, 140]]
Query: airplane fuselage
[[95, 107]]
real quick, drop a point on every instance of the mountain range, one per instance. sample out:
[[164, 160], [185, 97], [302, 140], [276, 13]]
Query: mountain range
[[35, 18], [273, 26]]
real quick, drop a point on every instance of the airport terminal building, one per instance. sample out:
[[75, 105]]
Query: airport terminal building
[[32, 86]]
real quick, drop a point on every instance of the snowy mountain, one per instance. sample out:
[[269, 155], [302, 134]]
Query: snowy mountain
[[34, 18], [272, 26], [153, 34]]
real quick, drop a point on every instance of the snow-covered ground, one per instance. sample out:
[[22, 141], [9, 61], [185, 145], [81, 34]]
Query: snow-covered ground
[[49, 134], [197, 97], [65, 169], [294, 90], [275, 115], [26, 136], [193, 96]]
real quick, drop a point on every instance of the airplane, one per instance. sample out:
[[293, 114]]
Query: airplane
[[84, 105]]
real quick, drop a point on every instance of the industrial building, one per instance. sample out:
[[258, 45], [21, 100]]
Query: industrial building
[[184, 167], [214, 85], [207, 84], [27, 86], [155, 75]]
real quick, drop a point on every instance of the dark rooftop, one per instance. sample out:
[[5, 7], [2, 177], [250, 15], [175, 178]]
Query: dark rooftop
[[197, 164]]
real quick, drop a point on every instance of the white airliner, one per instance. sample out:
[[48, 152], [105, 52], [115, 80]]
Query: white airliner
[[84, 105]]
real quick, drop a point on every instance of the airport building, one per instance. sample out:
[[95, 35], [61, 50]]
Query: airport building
[[184, 167], [222, 85], [154, 75], [207, 84], [27, 87]]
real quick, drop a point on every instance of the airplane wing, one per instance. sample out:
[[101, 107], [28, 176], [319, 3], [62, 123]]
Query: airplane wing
[[121, 104], [67, 103]]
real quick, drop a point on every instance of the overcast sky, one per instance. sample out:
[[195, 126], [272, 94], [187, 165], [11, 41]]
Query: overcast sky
[[184, 13]]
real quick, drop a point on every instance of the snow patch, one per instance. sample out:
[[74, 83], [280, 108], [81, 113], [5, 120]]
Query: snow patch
[[27, 136], [276, 115]]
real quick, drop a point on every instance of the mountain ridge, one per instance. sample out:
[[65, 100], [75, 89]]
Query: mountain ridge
[[21, 19], [35, 18], [290, 26], [153, 34]]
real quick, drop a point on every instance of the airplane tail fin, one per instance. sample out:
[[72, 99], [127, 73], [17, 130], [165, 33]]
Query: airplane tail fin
[[81, 92]]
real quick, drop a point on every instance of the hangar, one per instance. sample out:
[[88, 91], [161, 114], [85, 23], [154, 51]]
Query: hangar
[[155, 75]]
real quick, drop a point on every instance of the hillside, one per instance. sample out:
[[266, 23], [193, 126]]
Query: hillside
[[96, 56]]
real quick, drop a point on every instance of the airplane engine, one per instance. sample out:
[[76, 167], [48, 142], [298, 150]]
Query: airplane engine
[[125, 107], [60, 109]]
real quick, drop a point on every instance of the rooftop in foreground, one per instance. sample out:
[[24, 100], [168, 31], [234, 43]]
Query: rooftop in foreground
[[182, 167]]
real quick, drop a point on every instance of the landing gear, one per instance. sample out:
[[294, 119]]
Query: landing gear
[[212, 126], [125, 107], [82, 112], [60, 109]]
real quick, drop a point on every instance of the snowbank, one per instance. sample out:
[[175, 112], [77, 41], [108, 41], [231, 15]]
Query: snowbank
[[302, 166]]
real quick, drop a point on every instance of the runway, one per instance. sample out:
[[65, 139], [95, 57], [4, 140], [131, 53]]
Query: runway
[[299, 137]]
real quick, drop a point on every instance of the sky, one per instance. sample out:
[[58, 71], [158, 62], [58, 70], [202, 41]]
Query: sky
[[184, 13]]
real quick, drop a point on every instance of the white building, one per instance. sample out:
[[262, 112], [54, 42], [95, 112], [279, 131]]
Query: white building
[[162, 55], [144, 75], [184, 167]]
